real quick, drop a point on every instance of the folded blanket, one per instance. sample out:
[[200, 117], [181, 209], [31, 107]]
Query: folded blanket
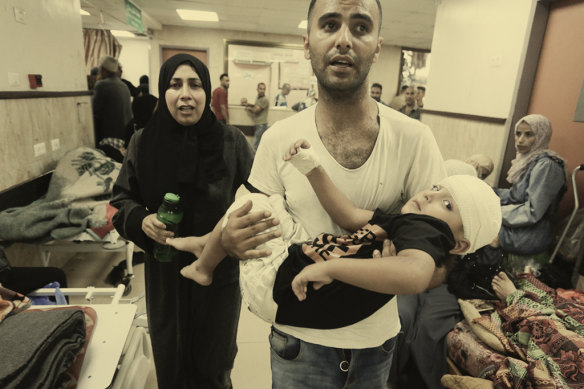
[[39, 347]]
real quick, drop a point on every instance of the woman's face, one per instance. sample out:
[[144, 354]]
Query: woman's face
[[524, 138], [185, 96]]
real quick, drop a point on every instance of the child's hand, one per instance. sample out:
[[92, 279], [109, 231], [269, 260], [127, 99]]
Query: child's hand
[[388, 250], [302, 156], [192, 244], [317, 273]]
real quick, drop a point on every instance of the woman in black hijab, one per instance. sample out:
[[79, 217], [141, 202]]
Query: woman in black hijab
[[184, 149]]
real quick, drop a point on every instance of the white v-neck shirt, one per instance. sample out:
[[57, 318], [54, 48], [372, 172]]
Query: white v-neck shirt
[[405, 160]]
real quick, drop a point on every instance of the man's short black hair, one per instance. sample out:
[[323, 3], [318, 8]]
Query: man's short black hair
[[422, 88], [376, 85], [221, 77], [311, 6]]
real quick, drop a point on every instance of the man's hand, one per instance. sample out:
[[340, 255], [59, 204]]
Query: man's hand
[[155, 229], [315, 273], [243, 232]]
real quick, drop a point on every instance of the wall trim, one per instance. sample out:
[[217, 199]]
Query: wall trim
[[486, 119], [41, 95]]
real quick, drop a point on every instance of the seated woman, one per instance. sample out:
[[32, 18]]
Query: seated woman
[[538, 182]]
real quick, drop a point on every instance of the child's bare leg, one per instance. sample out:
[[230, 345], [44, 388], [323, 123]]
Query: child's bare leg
[[201, 270], [502, 286]]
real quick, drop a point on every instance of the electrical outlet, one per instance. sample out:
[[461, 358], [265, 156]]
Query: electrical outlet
[[39, 149], [19, 15], [55, 144]]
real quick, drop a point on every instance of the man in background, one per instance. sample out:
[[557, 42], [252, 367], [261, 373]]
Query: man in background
[[281, 97], [259, 112], [112, 109], [219, 100], [399, 101], [420, 93], [375, 92], [410, 108]]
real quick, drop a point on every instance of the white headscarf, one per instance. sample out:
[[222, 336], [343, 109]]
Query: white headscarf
[[542, 129], [479, 206]]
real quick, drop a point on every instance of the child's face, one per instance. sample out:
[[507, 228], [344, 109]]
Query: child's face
[[437, 202]]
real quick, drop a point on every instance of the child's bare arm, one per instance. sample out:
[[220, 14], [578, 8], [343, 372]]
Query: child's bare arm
[[336, 204], [409, 272]]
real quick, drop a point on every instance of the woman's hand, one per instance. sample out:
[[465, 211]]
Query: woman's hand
[[316, 273], [302, 156], [243, 232], [155, 229], [192, 244]]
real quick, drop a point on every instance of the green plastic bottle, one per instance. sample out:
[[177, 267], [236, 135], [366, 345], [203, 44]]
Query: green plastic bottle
[[170, 213]]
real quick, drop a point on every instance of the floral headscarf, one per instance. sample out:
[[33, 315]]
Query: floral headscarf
[[542, 129]]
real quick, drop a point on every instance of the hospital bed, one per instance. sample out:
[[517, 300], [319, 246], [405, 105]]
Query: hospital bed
[[39, 209]]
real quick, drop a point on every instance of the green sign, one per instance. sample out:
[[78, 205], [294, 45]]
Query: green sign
[[133, 16]]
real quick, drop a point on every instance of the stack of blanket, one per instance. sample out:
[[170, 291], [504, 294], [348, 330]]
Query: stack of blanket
[[38, 347], [535, 340], [76, 200]]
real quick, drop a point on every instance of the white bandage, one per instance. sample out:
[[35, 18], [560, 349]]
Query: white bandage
[[305, 160]]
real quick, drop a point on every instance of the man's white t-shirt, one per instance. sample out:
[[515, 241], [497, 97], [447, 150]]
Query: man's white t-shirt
[[405, 160]]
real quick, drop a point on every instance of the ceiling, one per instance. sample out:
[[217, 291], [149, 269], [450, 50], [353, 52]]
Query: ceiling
[[406, 23]]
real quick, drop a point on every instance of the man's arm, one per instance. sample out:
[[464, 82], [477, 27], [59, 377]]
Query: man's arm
[[223, 107], [225, 113], [255, 109]]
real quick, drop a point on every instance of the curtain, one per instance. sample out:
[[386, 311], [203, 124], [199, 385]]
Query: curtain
[[97, 44]]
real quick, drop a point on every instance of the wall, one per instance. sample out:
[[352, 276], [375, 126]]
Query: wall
[[559, 77], [477, 53], [50, 27], [135, 59]]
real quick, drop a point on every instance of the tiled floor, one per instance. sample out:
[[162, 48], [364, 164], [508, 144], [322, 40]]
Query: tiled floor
[[252, 364]]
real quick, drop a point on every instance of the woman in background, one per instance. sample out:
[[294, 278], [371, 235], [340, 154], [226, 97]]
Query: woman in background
[[538, 182], [185, 150]]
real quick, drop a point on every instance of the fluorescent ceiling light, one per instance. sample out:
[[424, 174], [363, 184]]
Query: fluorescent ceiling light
[[122, 33], [202, 16], [303, 24], [84, 12]]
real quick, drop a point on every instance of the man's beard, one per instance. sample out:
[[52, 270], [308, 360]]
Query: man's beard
[[341, 87]]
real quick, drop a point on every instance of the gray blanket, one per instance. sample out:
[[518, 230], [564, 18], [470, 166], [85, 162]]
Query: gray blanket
[[39, 347], [82, 181]]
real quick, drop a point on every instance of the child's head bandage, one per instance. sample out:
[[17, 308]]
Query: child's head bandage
[[480, 209]]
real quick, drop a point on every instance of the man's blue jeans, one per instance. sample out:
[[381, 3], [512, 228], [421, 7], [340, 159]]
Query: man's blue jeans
[[258, 132], [300, 365]]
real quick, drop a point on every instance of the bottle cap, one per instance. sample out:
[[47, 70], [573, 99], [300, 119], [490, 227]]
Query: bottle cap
[[172, 198]]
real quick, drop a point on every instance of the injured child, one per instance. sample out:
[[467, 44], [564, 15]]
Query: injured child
[[334, 281]]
